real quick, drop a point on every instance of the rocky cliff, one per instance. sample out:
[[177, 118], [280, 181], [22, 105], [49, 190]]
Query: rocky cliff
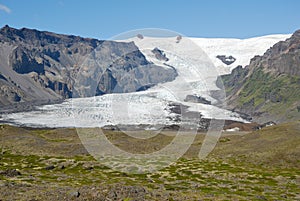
[[268, 88], [38, 66]]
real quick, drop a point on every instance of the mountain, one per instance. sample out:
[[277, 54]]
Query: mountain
[[197, 63], [157, 76], [268, 88], [43, 67]]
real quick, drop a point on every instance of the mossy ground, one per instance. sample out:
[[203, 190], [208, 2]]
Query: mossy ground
[[266, 92], [240, 168]]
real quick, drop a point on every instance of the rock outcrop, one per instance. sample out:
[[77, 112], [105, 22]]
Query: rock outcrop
[[197, 99], [159, 54], [226, 59]]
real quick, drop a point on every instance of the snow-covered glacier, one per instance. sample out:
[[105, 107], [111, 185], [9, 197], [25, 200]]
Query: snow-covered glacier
[[197, 65]]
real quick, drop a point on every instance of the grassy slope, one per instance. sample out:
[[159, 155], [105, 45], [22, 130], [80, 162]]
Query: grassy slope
[[256, 166], [283, 88]]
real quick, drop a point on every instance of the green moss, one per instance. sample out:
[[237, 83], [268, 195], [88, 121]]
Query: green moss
[[233, 179], [269, 92]]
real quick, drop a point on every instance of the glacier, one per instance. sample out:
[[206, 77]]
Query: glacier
[[197, 66]]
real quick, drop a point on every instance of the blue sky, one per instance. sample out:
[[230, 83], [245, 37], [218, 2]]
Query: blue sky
[[198, 18]]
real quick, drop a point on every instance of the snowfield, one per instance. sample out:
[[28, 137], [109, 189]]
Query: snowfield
[[241, 49], [197, 66]]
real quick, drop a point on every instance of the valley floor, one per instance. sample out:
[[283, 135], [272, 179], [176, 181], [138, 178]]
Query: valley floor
[[52, 164]]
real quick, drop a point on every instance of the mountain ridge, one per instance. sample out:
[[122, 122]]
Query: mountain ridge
[[43, 66], [269, 86]]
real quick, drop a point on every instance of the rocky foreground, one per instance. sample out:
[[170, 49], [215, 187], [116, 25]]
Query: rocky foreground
[[52, 164]]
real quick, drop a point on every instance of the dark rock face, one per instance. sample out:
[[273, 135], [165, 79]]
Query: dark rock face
[[48, 66], [107, 83], [268, 88], [234, 79], [9, 93], [23, 61], [159, 54], [197, 99], [283, 57], [226, 59]]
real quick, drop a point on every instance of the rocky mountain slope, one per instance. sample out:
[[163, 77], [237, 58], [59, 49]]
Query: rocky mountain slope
[[41, 67], [268, 88]]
